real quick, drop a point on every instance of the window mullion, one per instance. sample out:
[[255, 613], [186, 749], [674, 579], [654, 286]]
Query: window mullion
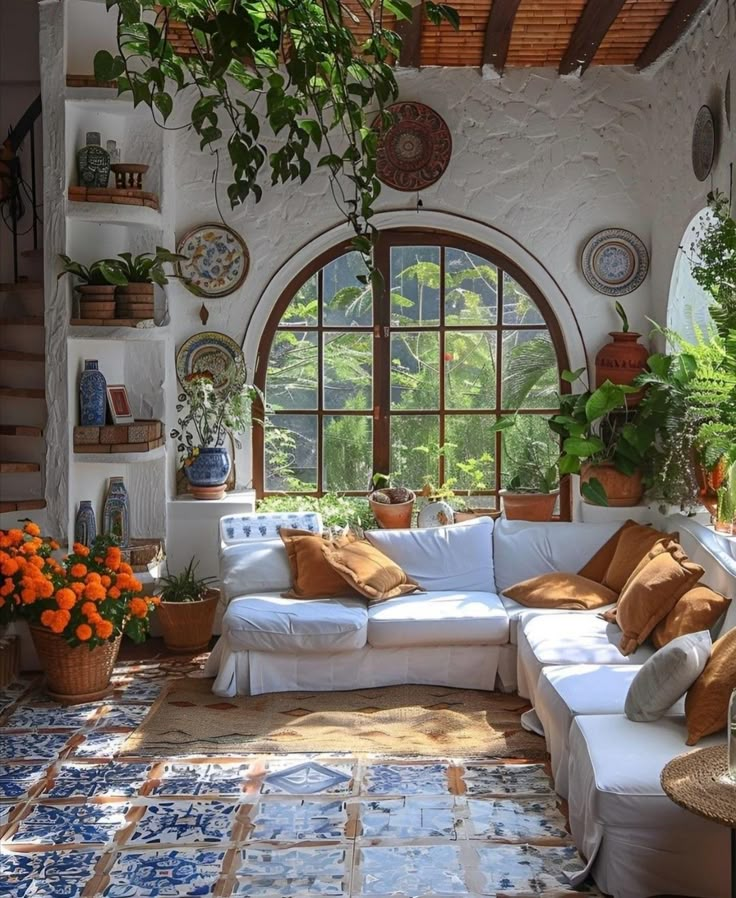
[[382, 359], [499, 380]]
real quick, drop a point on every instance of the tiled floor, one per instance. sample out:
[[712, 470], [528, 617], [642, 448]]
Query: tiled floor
[[76, 821]]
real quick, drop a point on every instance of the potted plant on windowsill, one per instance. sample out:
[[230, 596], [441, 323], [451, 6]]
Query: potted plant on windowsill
[[392, 507], [213, 408], [186, 609], [531, 495]]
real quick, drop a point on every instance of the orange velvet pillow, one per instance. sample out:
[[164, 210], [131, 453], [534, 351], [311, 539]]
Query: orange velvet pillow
[[311, 576], [706, 704], [558, 590], [596, 567], [633, 544], [652, 591], [699, 609], [370, 572]]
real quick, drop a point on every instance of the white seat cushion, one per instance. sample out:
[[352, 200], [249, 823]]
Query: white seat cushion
[[615, 797], [515, 612], [565, 692], [271, 623], [571, 638], [439, 618]]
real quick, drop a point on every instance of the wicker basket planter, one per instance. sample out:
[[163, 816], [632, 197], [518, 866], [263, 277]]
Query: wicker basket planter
[[187, 626], [75, 675]]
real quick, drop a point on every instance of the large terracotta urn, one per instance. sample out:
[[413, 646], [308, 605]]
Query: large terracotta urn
[[621, 361], [710, 480], [622, 490]]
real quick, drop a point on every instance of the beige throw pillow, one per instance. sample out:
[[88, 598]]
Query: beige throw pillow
[[706, 705], [633, 544], [367, 570], [558, 590], [311, 576], [699, 609]]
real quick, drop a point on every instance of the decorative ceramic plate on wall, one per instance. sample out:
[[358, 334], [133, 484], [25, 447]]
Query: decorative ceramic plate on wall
[[217, 259], [208, 351], [704, 143], [615, 262], [415, 150]]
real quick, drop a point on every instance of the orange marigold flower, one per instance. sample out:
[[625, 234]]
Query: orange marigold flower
[[123, 581], [125, 568], [37, 561], [105, 580], [32, 529], [103, 629], [15, 536], [54, 545], [94, 618], [138, 607], [94, 591], [66, 599], [77, 587], [136, 585], [9, 567], [28, 595], [80, 549], [89, 608], [7, 587], [92, 577], [45, 589], [84, 632], [113, 593], [78, 570], [47, 617], [61, 619]]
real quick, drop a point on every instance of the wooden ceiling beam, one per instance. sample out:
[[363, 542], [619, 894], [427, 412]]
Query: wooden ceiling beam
[[498, 33], [672, 27], [410, 32], [592, 26]]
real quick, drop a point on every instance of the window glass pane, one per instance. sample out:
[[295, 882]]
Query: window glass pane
[[470, 452], [415, 365], [302, 310], [518, 306], [345, 301], [530, 375], [529, 450], [291, 381], [291, 453], [415, 450], [470, 369], [348, 365], [415, 285], [347, 445], [470, 289]]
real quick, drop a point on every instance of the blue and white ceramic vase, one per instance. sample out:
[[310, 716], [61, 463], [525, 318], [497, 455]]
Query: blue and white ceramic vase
[[92, 395], [93, 162], [116, 513], [211, 467], [85, 525]]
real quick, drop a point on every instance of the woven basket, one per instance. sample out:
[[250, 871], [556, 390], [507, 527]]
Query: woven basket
[[75, 674], [187, 626]]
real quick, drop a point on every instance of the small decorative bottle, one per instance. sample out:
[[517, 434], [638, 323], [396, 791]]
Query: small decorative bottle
[[85, 525], [732, 737], [116, 513], [93, 162], [92, 395]]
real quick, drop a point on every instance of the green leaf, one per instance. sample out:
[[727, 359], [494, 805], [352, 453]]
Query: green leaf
[[400, 8], [594, 492], [504, 423], [312, 128], [583, 448], [108, 67], [569, 464], [113, 274], [604, 400], [572, 376], [164, 104]]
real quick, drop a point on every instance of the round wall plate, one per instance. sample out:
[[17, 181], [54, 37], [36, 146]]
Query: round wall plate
[[615, 262], [704, 143], [209, 351], [415, 150], [217, 259]]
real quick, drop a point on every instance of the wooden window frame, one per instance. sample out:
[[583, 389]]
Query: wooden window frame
[[381, 330]]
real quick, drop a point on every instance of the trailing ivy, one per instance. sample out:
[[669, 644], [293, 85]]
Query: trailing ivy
[[294, 65]]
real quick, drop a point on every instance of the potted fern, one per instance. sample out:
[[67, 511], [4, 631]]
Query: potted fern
[[186, 609]]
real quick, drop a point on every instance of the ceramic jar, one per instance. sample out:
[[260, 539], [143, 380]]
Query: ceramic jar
[[620, 361], [116, 512], [85, 525], [92, 395], [93, 162], [210, 467]]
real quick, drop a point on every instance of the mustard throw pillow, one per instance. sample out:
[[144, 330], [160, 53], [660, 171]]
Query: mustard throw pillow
[[311, 576], [558, 590], [367, 570], [652, 591], [706, 704], [596, 567], [633, 544], [699, 609]]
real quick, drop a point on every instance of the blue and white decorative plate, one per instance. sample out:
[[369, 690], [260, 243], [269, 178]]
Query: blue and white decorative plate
[[209, 351], [615, 262], [217, 259]]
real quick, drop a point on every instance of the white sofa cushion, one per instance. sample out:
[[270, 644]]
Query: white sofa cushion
[[515, 612], [253, 567], [451, 617], [456, 557], [524, 549], [271, 623]]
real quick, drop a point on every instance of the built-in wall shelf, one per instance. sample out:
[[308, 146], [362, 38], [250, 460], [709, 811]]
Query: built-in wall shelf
[[106, 196], [121, 458], [114, 329], [113, 213]]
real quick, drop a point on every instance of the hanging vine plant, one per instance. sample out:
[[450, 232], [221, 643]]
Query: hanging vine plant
[[294, 68]]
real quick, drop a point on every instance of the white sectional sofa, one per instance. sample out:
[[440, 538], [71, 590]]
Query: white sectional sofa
[[463, 632]]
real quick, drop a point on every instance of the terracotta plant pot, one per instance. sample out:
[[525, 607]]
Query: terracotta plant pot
[[74, 675], [134, 301], [623, 490], [96, 301], [620, 361], [529, 506], [710, 480], [187, 626], [393, 517]]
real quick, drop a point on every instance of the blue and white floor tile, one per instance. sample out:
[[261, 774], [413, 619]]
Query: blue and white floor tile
[[408, 818], [154, 874], [123, 717], [16, 780], [507, 779], [516, 820], [51, 874], [525, 868], [403, 779], [279, 872], [307, 778], [185, 822], [78, 824], [32, 746], [106, 780], [100, 745], [56, 717], [224, 780], [409, 871], [292, 821]]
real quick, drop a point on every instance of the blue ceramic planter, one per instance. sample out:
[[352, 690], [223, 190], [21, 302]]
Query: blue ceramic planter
[[85, 524], [92, 395], [210, 468]]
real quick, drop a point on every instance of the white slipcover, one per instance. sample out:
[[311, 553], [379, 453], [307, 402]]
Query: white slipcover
[[639, 843], [516, 611], [455, 557], [270, 623], [454, 617]]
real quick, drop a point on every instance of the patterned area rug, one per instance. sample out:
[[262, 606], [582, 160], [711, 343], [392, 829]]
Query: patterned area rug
[[423, 721]]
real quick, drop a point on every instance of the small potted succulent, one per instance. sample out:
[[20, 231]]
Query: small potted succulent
[[96, 285], [186, 609], [392, 507]]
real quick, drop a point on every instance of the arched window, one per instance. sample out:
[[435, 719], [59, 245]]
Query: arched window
[[688, 306], [407, 375]]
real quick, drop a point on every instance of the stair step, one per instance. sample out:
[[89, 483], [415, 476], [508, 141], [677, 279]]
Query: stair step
[[21, 505], [12, 355], [28, 321], [22, 393], [19, 467], [20, 430], [21, 285]]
